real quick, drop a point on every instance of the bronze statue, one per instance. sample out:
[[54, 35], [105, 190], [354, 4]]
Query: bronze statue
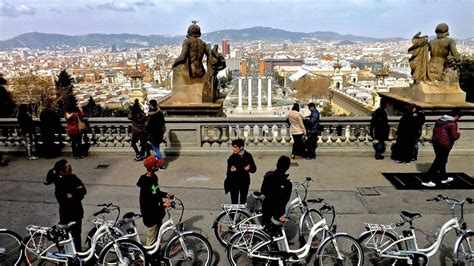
[[193, 52], [419, 57], [443, 49]]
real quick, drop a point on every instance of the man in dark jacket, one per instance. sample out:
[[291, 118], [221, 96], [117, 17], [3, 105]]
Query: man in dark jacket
[[50, 125], [311, 125], [379, 129], [239, 166], [277, 191], [155, 127], [69, 193], [445, 133], [406, 137], [151, 199]]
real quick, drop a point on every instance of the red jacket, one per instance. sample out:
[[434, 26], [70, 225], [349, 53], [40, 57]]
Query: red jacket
[[445, 132], [71, 119]]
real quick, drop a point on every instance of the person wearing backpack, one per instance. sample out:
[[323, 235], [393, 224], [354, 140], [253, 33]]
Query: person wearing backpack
[[311, 125]]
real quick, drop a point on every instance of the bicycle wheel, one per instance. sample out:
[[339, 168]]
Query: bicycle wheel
[[123, 252], [190, 248], [225, 224], [103, 240], [310, 218], [10, 247], [37, 244], [464, 251], [340, 250], [242, 243], [373, 242]]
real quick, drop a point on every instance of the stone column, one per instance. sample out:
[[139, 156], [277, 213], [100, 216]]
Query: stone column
[[269, 93], [240, 106], [259, 105], [249, 93]]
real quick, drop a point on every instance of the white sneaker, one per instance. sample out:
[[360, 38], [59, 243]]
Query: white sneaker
[[447, 180], [32, 158], [428, 184]]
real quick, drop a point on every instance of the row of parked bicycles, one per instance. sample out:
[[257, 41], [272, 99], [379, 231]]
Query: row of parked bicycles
[[238, 228], [247, 242], [110, 242]]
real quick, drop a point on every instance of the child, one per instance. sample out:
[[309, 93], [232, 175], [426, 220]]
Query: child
[[151, 199]]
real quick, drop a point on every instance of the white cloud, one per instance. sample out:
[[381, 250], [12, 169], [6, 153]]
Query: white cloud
[[15, 10], [144, 3], [117, 6]]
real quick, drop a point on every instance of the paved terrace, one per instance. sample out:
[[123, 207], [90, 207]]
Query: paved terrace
[[198, 181], [197, 150]]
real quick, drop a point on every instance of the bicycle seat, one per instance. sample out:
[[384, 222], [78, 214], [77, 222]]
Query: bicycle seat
[[65, 226], [409, 216]]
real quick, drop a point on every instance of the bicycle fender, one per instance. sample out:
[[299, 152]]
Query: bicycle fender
[[301, 221], [330, 238], [368, 232], [458, 240]]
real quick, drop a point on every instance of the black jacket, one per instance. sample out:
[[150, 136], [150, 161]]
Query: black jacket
[[155, 127], [151, 200], [379, 128], [277, 190], [70, 208], [241, 177]]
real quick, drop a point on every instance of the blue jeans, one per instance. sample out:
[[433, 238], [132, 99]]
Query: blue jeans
[[379, 148], [156, 150]]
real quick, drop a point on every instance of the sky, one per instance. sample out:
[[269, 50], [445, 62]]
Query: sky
[[371, 18]]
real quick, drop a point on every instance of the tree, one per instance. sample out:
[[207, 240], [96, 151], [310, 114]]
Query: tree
[[280, 80], [466, 77], [327, 110], [63, 90], [7, 105], [92, 109], [33, 91], [309, 87]]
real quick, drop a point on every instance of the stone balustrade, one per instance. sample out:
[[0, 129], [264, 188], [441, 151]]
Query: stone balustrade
[[188, 135]]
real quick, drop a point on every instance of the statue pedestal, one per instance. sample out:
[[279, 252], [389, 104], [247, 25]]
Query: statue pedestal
[[173, 109], [433, 92], [186, 90], [436, 99]]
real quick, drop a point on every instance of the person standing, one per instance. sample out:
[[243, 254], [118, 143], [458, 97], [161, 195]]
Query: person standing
[[239, 166], [379, 129], [73, 115], [297, 131], [445, 133], [27, 128], [419, 122], [406, 137], [69, 192], [152, 206], [311, 125], [138, 118], [276, 187], [155, 127], [50, 125]]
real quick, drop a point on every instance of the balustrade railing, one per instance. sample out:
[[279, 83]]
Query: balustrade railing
[[211, 133]]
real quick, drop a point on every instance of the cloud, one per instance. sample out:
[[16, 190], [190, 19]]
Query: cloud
[[15, 10], [117, 6], [144, 3]]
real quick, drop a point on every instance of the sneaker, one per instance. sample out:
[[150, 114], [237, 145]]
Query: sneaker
[[447, 180], [3, 163], [428, 184], [138, 158], [381, 157], [32, 157]]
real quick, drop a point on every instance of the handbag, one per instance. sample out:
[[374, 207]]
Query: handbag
[[81, 125]]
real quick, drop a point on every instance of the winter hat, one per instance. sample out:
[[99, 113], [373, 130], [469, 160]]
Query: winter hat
[[152, 161]]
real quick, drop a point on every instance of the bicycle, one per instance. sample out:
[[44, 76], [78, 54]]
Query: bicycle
[[383, 245], [251, 245], [184, 248], [231, 216], [10, 248], [55, 245]]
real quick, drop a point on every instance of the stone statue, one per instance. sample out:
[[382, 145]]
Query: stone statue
[[192, 84], [443, 57], [419, 57], [193, 52], [443, 54]]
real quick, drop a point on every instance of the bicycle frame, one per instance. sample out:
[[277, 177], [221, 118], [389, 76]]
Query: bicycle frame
[[300, 253], [429, 251]]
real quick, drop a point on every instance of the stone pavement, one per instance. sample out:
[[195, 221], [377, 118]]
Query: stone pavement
[[198, 181]]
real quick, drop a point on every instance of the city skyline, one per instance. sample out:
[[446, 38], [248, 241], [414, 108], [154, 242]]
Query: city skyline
[[370, 18]]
